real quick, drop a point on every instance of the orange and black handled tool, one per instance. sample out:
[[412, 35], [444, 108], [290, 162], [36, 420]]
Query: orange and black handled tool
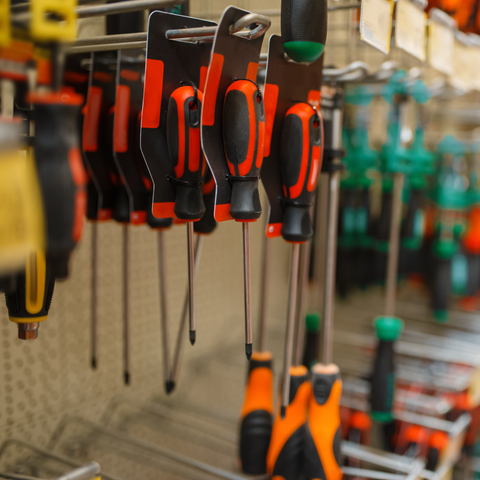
[[28, 304], [256, 415], [61, 173], [359, 428], [304, 28], [414, 440], [285, 454], [207, 223], [244, 140], [183, 141], [301, 155], [323, 432], [437, 443]]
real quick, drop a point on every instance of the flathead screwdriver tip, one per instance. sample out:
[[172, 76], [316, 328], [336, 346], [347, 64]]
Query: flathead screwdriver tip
[[192, 336], [169, 386], [283, 411], [94, 363], [248, 351], [126, 378]]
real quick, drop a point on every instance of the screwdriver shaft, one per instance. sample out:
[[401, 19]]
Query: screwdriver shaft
[[302, 302], [126, 320], [163, 307], [93, 305], [394, 245], [191, 281], [292, 301], [262, 325], [247, 289], [329, 301], [183, 321]]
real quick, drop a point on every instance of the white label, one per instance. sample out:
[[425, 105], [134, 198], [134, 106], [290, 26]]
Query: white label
[[376, 23], [411, 29], [441, 43], [475, 68], [461, 69]]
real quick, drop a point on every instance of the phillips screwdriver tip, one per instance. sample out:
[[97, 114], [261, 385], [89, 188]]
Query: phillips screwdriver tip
[[169, 386], [192, 336], [248, 351], [126, 378], [94, 363], [283, 411]]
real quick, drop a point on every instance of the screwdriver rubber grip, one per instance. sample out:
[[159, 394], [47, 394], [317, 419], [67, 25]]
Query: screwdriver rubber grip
[[323, 432], [437, 443], [207, 223], [441, 289], [301, 161], [312, 327], [154, 222], [359, 428], [414, 440], [387, 330], [244, 140], [413, 209], [285, 454], [256, 415], [61, 173], [31, 299], [304, 28], [183, 141]]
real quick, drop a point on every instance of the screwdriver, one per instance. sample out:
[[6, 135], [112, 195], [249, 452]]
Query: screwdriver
[[183, 141], [243, 111], [323, 433], [437, 442], [257, 409], [301, 157], [205, 226], [304, 28]]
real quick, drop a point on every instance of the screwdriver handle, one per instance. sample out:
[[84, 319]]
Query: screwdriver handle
[[61, 173], [30, 301], [154, 222], [387, 330], [244, 140], [256, 415], [207, 223], [410, 224], [285, 454], [304, 28], [323, 433], [301, 162], [183, 141], [414, 440], [359, 428], [437, 443]]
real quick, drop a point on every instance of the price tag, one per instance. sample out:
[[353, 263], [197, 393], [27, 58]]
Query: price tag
[[376, 23], [441, 44], [410, 29], [461, 77]]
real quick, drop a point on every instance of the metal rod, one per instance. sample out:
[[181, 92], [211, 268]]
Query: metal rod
[[292, 303], [373, 474], [183, 320], [88, 472], [331, 249], [107, 39], [262, 324], [93, 305], [191, 281], [247, 289], [302, 302], [126, 320], [71, 50], [394, 245], [163, 308]]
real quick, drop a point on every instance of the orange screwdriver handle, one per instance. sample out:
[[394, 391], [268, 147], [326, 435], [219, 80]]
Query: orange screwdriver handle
[[285, 454], [256, 416], [437, 443], [244, 139], [323, 434], [301, 163], [183, 141]]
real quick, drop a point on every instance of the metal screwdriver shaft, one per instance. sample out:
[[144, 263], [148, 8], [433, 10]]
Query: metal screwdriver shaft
[[174, 372], [126, 320], [163, 310], [191, 280], [248, 290], [287, 359], [93, 305], [263, 297]]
